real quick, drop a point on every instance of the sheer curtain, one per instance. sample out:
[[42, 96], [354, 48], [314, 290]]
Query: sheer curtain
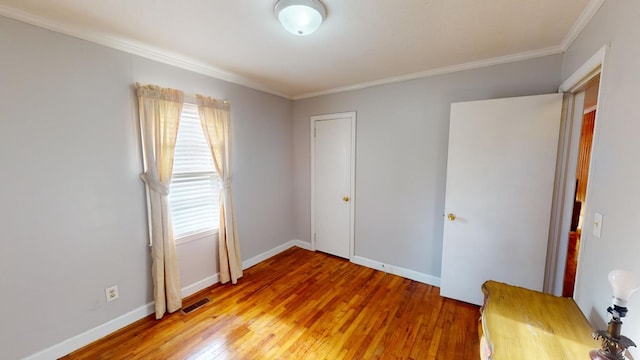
[[215, 117], [159, 118]]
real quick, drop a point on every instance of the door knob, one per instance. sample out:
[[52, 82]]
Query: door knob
[[451, 216], [345, 199]]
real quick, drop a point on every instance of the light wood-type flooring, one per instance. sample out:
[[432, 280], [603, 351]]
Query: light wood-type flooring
[[304, 305]]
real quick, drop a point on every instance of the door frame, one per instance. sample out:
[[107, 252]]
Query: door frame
[[352, 116], [562, 207]]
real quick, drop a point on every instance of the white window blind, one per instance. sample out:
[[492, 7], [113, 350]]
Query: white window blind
[[193, 193]]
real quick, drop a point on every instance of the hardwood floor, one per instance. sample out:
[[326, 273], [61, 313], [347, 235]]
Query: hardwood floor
[[304, 305], [571, 264]]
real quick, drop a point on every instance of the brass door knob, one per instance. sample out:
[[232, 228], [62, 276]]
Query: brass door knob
[[345, 199], [451, 216]]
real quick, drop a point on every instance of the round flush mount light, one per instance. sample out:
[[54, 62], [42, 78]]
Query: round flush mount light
[[300, 17]]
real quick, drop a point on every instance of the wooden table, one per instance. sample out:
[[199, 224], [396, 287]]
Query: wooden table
[[518, 323]]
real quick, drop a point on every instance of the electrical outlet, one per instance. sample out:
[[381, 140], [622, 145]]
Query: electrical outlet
[[597, 225], [111, 293]]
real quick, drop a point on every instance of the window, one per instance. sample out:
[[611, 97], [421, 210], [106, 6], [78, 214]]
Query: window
[[193, 195]]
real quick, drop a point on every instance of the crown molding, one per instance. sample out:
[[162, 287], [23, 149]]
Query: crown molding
[[589, 11], [587, 14], [190, 64], [439, 71], [141, 50]]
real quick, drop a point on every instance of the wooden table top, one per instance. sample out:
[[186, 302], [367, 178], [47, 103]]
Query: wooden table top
[[518, 321]]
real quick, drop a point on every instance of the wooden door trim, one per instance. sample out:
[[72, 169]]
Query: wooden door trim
[[352, 116]]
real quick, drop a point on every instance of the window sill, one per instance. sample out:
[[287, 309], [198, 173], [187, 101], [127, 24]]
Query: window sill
[[196, 236]]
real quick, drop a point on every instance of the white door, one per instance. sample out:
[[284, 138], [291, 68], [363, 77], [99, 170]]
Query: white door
[[500, 175], [333, 156]]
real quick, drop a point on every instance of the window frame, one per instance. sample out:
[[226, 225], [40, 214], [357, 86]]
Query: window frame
[[192, 110]]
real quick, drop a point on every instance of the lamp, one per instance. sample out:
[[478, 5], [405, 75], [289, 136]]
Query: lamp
[[624, 284], [300, 17]]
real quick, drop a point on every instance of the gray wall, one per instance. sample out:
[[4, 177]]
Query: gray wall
[[72, 205], [614, 173], [401, 155]]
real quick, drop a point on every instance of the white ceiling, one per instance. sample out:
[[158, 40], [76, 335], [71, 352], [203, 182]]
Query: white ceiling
[[361, 42]]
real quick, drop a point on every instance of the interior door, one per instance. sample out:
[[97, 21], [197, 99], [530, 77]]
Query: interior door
[[500, 176], [332, 183]]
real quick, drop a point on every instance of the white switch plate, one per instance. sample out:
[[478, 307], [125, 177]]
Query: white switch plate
[[597, 225]]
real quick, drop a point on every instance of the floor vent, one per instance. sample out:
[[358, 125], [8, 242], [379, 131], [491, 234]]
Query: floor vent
[[195, 306]]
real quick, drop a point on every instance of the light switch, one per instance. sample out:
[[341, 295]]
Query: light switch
[[597, 225]]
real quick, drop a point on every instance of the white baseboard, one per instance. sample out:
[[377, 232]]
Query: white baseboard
[[395, 270], [267, 254], [89, 336], [200, 285], [74, 343], [302, 244]]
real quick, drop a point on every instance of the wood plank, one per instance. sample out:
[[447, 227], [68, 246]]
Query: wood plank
[[304, 305]]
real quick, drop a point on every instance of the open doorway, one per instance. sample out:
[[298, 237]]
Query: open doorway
[[574, 88], [581, 183]]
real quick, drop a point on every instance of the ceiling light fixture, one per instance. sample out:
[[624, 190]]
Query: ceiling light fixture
[[300, 17]]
